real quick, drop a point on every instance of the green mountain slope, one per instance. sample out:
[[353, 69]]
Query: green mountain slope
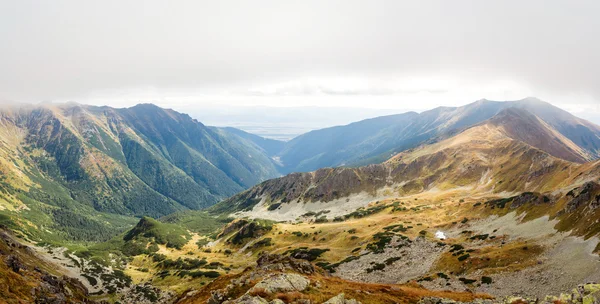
[[83, 172], [270, 146]]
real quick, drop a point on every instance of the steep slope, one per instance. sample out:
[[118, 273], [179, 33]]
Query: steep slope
[[374, 140], [582, 132], [494, 156], [178, 137], [85, 171], [335, 146], [26, 278], [523, 126], [270, 146]]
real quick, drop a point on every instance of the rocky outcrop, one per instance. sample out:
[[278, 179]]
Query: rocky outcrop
[[247, 299], [145, 293], [341, 299], [586, 194], [231, 227], [284, 282], [272, 262], [273, 274]]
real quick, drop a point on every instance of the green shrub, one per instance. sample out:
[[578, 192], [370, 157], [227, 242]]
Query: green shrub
[[376, 266], [467, 281], [322, 219], [381, 240], [273, 206]]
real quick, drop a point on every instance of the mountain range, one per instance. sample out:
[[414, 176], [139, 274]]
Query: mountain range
[[375, 140], [496, 155], [74, 164], [78, 168], [485, 201]]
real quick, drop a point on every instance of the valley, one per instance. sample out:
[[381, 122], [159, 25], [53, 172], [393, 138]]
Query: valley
[[299, 152], [494, 206]]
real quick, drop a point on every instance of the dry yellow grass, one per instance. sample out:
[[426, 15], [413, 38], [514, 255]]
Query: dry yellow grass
[[491, 259], [432, 211]]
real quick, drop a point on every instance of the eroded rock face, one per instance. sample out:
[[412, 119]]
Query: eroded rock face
[[584, 195], [323, 185], [53, 289], [284, 282]]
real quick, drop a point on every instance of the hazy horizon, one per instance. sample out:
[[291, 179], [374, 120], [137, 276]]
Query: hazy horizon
[[380, 55], [374, 58], [287, 122]]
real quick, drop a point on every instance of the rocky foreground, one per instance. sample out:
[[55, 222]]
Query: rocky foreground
[[585, 293], [277, 279]]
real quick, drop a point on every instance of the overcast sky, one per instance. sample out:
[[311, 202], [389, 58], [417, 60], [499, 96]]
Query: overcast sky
[[376, 54]]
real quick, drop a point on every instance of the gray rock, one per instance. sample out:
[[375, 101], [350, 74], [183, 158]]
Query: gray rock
[[284, 282], [14, 263], [247, 299], [341, 299], [434, 300], [276, 262]]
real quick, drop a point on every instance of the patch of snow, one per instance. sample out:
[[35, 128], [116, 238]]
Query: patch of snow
[[440, 235]]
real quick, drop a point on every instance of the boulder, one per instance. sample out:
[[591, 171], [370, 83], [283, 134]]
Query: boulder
[[247, 299], [284, 282], [14, 263], [341, 299], [277, 262]]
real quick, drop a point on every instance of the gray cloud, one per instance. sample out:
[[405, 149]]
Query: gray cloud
[[70, 49]]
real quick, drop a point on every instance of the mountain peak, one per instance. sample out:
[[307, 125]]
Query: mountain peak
[[512, 115], [522, 125]]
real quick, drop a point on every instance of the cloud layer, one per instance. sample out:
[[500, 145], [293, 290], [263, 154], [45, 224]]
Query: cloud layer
[[62, 50]]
